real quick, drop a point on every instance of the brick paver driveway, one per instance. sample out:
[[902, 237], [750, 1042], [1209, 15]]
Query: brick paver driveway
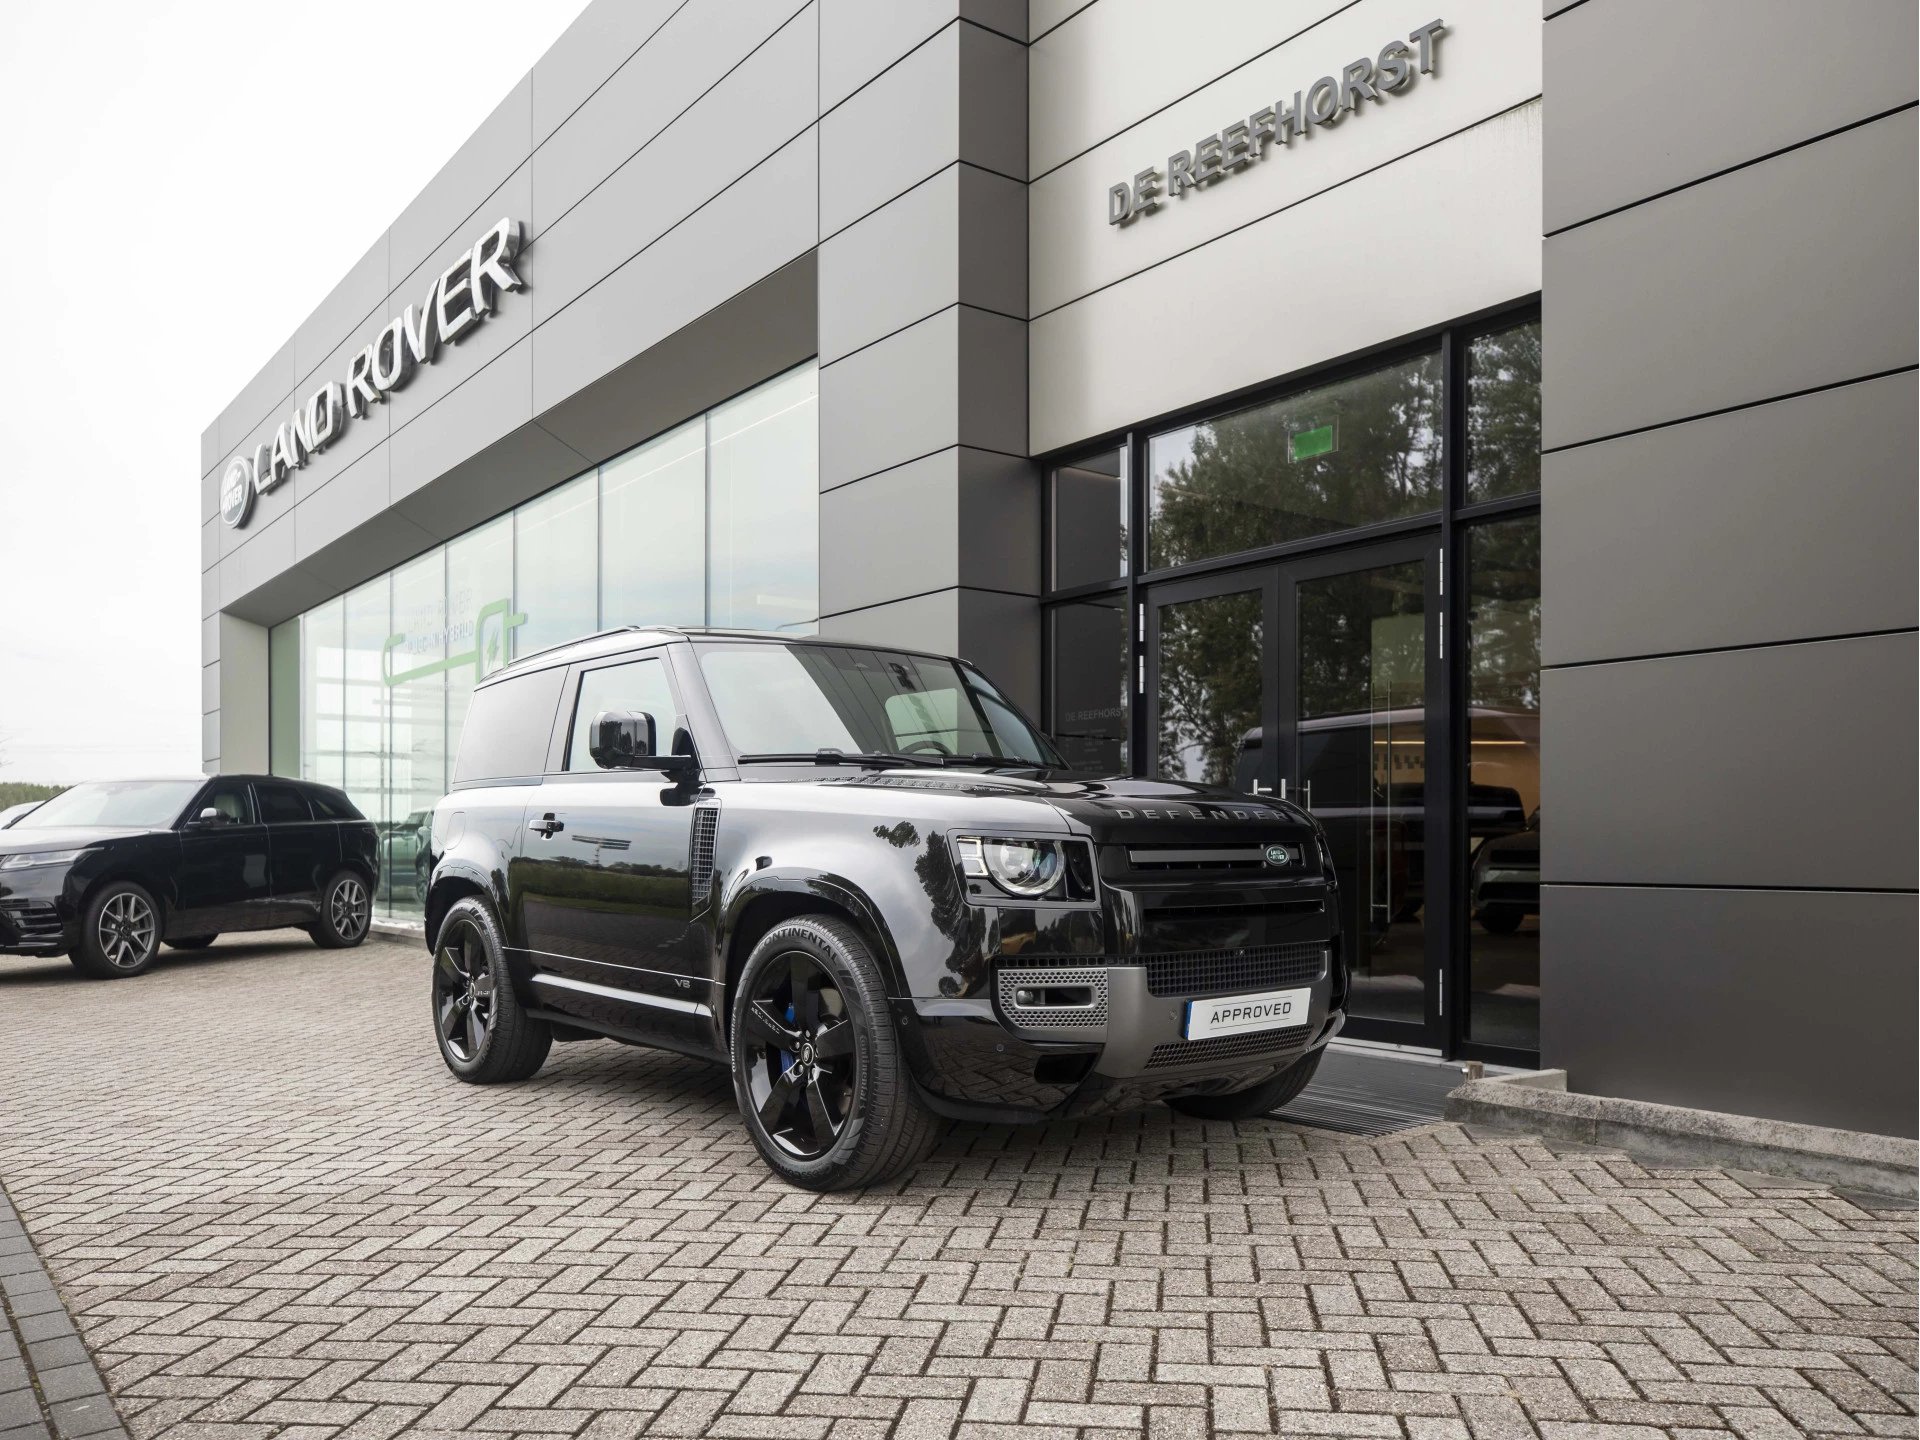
[[274, 1214]]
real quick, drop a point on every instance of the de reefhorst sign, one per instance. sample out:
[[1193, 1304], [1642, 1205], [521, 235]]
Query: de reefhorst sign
[[460, 299], [1321, 105]]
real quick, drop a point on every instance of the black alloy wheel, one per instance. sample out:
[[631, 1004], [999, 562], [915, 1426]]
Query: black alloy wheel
[[463, 993], [799, 1058], [484, 1034], [120, 935]]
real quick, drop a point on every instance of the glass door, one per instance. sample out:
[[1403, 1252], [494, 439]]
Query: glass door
[[1358, 693]]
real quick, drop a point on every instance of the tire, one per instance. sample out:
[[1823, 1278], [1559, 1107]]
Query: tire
[[120, 935], [1267, 1096], [1500, 922], [346, 912], [192, 942], [485, 1035], [851, 1116]]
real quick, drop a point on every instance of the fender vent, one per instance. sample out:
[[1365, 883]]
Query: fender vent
[[700, 858]]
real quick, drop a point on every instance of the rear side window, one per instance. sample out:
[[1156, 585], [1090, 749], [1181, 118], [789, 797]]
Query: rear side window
[[281, 804], [332, 805], [508, 725]]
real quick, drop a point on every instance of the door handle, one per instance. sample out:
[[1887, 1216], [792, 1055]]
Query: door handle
[[546, 825]]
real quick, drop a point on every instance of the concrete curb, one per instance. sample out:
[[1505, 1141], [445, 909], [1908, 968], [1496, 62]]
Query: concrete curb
[[1880, 1165], [48, 1382], [400, 930]]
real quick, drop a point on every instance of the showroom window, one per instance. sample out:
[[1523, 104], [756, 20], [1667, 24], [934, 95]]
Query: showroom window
[[714, 522]]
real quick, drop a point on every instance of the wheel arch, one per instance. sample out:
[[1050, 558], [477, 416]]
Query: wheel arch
[[451, 887], [772, 899]]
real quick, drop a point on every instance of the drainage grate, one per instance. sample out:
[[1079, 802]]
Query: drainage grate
[[1356, 1093]]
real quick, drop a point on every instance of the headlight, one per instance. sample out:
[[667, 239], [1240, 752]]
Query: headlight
[[40, 857], [1030, 869]]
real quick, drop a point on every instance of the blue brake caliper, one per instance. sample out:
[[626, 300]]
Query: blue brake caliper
[[786, 1056]]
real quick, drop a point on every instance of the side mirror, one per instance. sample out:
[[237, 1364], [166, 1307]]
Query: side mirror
[[208, 816], [620, 737]]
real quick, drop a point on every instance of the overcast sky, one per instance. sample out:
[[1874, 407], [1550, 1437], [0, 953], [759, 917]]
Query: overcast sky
[[184, 181]]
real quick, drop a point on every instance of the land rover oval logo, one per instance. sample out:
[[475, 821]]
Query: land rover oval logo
[[1279, 855], [236, 493]]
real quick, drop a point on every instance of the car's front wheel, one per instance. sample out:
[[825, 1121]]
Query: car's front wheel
[[817, 1067], [346, 912], [1262, 1099], [120, 935], [485, 1034]]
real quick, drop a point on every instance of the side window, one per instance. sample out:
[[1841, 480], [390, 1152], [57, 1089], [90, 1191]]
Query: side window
[[281, 804], [230, 798], [332, 805], [637, 685], [508, 725]]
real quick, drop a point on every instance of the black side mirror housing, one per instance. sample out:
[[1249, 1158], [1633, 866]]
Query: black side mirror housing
[[629, 740]]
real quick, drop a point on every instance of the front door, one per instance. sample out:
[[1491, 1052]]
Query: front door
[[1313, 680], [223, 882], [604, 880]]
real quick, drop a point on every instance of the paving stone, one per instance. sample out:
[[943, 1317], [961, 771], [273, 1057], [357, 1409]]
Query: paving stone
[[300, 1228]]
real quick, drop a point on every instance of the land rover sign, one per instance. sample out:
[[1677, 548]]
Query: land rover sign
[[460, 298]]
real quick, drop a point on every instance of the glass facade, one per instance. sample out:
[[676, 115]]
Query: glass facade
[[715, 522], [1334, 594]]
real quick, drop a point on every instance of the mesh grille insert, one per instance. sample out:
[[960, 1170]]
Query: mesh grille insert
[[1093, 979], [1222, 972], [700, 862], [1261, 1043]]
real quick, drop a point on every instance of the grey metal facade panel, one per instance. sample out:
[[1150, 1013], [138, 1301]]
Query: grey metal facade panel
[[891, 402], [592, 48], [209, 639], [354, 498], [1812, 499], [1704, 299], [1786, 765], [490, 403], [764, 329], [271, 550], [748, 231], [1000, 505], [210, 486], [261, 395], [686, 57], [348, 306], [514, 468], [1844, 64], [894, 267], [210, 591], [859, 39], [209, 688], [993, 242], [363, 434], [993, 101], [755, 109], [929, 621], [492, 153], [210, 543], [210, 739], [993, 381], [916, 506], [1797, 1005], [1001, 634], [210, 455]]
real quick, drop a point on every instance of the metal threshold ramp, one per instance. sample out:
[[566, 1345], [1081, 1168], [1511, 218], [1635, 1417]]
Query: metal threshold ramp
[[1359, 1092]]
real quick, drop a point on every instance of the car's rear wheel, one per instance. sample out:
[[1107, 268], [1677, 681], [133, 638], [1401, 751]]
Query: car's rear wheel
[[193, 942], [1267, 1096], [484, 1033], [346, 912], [817, 1067], [120, 935]]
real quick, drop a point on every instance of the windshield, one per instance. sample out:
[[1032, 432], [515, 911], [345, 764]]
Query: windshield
[[129, 804], [800, 699]]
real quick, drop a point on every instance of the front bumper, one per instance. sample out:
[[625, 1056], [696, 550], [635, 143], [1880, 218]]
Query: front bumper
[[979, 1063], [31, 927]]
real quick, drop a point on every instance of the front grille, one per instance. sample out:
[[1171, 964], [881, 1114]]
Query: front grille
[[34, 920], [1229, 1047], [700, 861], [1092, 979], [1223, 972]]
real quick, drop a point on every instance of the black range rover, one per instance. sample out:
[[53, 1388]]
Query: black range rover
[[867, 883]]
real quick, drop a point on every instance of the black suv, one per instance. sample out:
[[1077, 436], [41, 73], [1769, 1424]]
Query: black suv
[[865, 881], [104, 872]]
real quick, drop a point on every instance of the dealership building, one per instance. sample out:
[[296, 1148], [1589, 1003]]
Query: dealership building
[[1492, 428]]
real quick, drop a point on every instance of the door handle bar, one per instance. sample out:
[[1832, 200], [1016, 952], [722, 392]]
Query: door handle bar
[[546, 825]]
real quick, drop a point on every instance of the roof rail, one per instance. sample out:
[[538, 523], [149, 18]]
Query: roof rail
[[582, 639]]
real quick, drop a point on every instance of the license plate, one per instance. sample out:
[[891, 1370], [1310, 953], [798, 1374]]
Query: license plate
[[1242, 1014]]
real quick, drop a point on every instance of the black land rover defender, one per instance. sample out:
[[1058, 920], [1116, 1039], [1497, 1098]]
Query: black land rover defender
[[867, 883]]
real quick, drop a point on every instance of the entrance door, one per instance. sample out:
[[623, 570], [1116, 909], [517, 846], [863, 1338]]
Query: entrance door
[[1358, 691], [1318, 680]]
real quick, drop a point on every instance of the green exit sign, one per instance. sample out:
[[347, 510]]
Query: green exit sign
[[1307, 444]]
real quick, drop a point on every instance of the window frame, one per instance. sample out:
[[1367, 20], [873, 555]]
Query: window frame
[[571, 690]]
